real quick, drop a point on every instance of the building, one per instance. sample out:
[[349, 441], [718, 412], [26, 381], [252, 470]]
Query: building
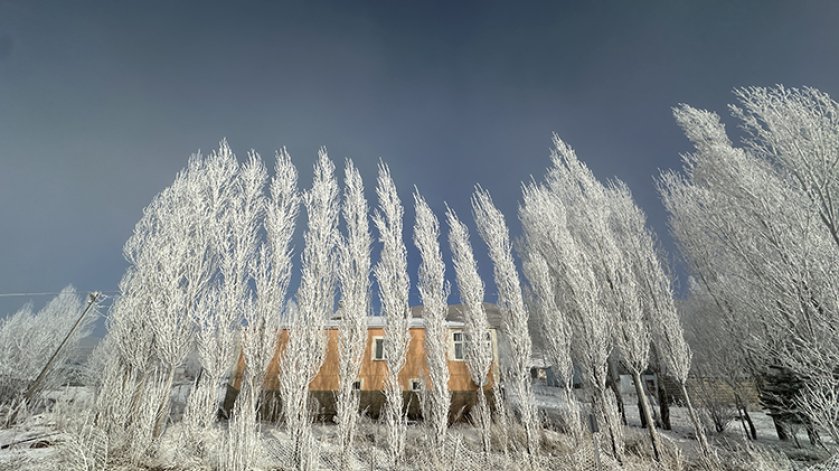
[[373, 374]]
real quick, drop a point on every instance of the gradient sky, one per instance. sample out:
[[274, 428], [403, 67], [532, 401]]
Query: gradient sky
[[101, 103]]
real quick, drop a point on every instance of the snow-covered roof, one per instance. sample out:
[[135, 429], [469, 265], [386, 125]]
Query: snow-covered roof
[[374, 322], [454, 318], [455, 314]]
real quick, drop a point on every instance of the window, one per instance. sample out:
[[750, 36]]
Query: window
[[416, 384], [458, 346], [457, 343], [378, 348]]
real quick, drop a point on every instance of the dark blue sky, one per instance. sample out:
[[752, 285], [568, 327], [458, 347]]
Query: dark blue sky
[[101, 103]]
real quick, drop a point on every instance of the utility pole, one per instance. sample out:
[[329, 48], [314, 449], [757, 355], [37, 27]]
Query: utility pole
[[92, 298]]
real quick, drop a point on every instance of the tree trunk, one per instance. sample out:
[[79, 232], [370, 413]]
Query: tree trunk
[[697, 426], [501, 415], [347, 413], [484, 421], [163, 410], [780, 430], [813, 434], [601, 395], [751, 434], [742, 420], [645, 412], [614, 380], [641, 412], [663, 403], [752, 429], [663, 395], [209, 398], [137, 397], [573, 420]]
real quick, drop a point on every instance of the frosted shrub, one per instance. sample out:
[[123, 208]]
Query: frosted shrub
[[28, 339], [84, 447]]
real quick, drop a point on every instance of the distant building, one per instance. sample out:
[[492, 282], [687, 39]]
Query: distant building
[[372, 377]]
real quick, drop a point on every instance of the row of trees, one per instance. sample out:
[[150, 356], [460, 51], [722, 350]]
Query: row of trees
[[210, 268], [758, 225], [211, 264], [599, 287]]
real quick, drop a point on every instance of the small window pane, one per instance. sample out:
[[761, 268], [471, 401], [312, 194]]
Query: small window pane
[[380, 347], [457, 345]]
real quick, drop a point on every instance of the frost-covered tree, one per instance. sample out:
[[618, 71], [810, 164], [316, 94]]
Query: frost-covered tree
[[392, 277], [757, 224], [667, 332], [716, 354], [478, 351], [354, 309], [173, 258], [305, 347], [599, 268], [493, 230], [259, 336], [172, 286], [271, 275], [638, 302], [127, 347], [550, 215], [554, 331], [203, 273], [434, 292], [589, 242], [29, 339], [239, 201], [588, 211]]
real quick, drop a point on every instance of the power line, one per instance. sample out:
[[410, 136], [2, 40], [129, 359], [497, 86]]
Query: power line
[[44, 293]]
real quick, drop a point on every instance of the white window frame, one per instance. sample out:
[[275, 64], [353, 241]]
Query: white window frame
[[416, 381], [454, 343], [373, 348], [489, 342]]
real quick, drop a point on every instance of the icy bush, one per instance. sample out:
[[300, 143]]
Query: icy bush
[[28, 339]]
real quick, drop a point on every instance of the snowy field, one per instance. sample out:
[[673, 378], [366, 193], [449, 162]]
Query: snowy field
[[53, 440]]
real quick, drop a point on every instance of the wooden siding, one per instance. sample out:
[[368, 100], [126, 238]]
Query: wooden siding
[[374, 372]]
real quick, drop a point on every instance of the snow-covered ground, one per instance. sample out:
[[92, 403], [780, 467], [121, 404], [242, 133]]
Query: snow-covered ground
[[549, 401], [38, 439]]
